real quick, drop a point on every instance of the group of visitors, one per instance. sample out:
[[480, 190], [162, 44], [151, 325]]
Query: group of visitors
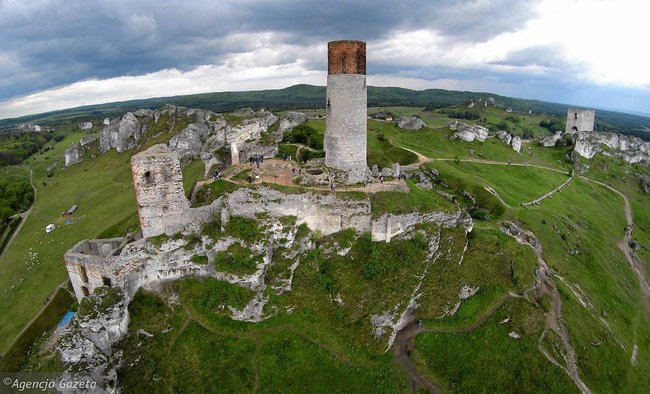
[[256, 160]]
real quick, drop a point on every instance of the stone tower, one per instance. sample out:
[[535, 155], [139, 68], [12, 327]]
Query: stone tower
[[159, 191], [580, 120], [347, 109]]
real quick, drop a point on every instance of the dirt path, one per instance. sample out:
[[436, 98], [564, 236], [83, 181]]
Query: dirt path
[[502, 163], [547, 195], [636, 265], [23, 215], [254, 335], [422, 159], [497, 195], [403, 346], [554, 317], [624, 245]]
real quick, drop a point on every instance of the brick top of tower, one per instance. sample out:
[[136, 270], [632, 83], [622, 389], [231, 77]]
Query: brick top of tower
[[346, 57]]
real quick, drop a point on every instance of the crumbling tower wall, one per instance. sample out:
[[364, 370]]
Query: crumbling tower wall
[[158, 182], [347, 109], [580, 120]]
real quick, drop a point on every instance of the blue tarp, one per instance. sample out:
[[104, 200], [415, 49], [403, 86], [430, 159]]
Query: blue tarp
[[66, 319]]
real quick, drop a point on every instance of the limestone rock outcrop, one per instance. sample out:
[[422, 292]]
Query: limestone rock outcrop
[[552, 140], [74, 154], [516, 143], [197, 133], [268, 117], [630, 149], [510, 139], [86, 347], [290, 120], [504, 136], [467, 132], [122, 134], [410, 123]]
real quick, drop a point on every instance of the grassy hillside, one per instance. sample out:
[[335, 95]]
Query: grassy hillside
[[309, 96], [313, 338]]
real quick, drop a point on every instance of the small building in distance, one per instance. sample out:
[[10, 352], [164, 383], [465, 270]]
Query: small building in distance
[[580, 120]]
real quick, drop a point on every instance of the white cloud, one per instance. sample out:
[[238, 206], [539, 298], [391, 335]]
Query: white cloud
[[169, 82], [594, 41], [603, 38]]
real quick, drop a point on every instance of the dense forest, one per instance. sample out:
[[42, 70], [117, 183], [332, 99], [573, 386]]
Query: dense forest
[[17, 146], [15, 196]]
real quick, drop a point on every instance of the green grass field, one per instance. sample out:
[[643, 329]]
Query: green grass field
[[315, 339], [33, 265]]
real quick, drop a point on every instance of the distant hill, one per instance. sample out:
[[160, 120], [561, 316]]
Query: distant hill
[[309, 96]]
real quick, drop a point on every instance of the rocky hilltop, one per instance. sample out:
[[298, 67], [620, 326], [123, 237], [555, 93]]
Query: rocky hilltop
[[192, 133], [630, 149]]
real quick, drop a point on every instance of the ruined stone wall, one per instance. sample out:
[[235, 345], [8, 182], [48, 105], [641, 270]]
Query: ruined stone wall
[[88, 263], [580, 120], [321, 212], [347, 109], [388, 226], [234, 154], [158, 183]]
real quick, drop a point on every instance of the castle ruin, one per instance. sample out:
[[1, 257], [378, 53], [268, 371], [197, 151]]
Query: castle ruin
[[158, 184], [347, 109], [580, 120], [131, 262]]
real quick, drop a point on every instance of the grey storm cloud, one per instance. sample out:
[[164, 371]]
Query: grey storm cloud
[[44, 44]]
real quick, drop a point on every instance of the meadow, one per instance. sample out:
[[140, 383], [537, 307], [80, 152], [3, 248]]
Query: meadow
[[331, 345]]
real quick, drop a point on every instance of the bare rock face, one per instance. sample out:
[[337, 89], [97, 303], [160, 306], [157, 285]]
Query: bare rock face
[[552, 140], [269, 118], [74, 154], [249, 129], [516, 143], [86, 347], [205, 133], [245, 112], [192, 141], [122, 134], [30, 128], [510, 139], [410, 123], [630, 149], [290, 120], [504, 136], [467, 132]]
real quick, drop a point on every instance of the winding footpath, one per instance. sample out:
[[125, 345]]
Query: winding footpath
[[547, 195], [554, 318], [23, 216]]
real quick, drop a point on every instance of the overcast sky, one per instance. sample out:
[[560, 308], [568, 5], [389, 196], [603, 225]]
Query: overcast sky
[[61, 54]]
